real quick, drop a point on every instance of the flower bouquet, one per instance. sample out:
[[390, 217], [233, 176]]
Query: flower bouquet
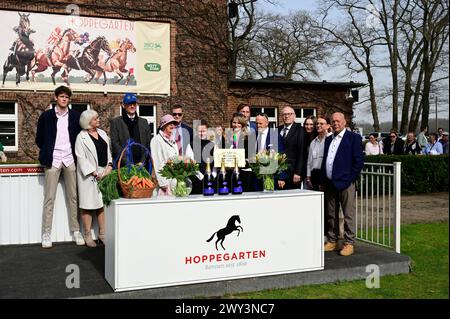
[[180, 168], [267, 165]]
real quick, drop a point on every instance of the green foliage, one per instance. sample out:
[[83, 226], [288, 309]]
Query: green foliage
[[269, 163], [180, 168], [108, 185], [420, 173], [425, 244]]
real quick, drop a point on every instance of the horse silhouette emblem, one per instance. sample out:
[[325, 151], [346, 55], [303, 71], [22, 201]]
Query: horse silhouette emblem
[[231, 227]]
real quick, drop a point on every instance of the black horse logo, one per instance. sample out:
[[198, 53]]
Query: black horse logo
[[231, 227]]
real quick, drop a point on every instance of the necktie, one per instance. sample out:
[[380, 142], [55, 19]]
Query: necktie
[[178, 141], [285, 130]]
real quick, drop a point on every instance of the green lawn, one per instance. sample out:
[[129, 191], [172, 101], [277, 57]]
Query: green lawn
[[425, 244]]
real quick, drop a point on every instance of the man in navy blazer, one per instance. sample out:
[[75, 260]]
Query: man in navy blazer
[[183, 134], [342, 162]]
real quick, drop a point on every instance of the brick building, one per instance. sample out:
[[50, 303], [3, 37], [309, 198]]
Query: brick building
[[198, 75]]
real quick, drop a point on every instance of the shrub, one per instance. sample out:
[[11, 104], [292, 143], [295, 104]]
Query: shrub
[[420, 173]]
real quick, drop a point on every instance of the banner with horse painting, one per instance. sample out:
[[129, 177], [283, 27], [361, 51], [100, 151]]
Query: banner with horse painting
[[43, 51]]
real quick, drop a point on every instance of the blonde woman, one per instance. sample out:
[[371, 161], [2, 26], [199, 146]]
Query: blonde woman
[[94, 161]]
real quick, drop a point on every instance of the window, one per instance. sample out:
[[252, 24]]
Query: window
[[270, 111], [80, 107], [302, 114], [9, 126], [148, 112]]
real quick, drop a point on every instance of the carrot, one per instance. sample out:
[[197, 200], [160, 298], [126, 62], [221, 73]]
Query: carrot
[[131, 180], [146, 182], [136, 181]]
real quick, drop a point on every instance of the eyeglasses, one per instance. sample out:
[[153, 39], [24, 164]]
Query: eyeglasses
[[177, 114], [392, 136], [287, 114]]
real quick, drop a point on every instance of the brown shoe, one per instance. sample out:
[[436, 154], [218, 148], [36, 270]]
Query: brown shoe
[[329, 246], [88, 240], [347, 250]]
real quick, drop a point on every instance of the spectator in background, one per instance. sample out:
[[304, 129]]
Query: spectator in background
[[411, 145], [444, 142], [422, 137], [2, 154], [393, 145], [434, 147], [373, 147], [440, 131]]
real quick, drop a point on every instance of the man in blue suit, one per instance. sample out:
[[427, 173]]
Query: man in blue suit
[[342, 162], [183, 133], [244, 109]]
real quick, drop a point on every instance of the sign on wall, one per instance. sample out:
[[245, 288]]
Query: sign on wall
[[89, 54]]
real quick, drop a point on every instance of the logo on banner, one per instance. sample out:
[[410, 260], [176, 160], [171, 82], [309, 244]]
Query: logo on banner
[[229, 228], [152, 67]]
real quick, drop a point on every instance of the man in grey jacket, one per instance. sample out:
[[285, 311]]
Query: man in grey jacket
[[130, 125]]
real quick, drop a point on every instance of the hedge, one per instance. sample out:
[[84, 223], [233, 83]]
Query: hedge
[[420, 173]]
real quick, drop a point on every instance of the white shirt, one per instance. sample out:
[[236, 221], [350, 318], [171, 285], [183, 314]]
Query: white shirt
[[262, 136], [286, 129], [315, 155], [374, 149], [332, 153]]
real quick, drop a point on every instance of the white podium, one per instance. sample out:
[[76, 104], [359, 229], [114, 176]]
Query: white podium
[[163, 241]]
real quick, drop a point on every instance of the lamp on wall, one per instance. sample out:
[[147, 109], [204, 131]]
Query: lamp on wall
[[349, 96], [232, 10]]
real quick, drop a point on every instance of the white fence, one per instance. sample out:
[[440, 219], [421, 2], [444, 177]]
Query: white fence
[[21, 204], [378, 198]]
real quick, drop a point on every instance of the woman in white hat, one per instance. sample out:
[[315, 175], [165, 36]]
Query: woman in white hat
[[164, 147]]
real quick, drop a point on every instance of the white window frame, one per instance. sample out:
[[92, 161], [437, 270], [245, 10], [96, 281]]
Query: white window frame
[[12, 118], [87, 104], [302, 118], [150, 119], [273, 120]]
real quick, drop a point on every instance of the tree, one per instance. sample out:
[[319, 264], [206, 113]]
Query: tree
[[358, 40], [286, 45]]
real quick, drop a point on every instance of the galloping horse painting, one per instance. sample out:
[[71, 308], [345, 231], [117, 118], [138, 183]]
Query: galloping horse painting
[[22, 51], [56, 58], [118, 61], [88, 61], [231, 227]]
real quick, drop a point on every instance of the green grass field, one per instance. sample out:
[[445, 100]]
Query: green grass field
[[425, 244]]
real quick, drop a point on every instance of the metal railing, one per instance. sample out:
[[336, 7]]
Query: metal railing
[[377, 213]]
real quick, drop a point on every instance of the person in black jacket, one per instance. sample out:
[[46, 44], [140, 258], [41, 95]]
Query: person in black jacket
[[393, 145], [183, 133], [411, 145], [57, 130], [293, 136]]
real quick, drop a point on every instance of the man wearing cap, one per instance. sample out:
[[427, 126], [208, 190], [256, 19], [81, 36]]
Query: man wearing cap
[[164, 147], [444, 142], [130, 125]]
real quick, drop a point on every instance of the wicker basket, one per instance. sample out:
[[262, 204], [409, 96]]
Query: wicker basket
[[130, 191]]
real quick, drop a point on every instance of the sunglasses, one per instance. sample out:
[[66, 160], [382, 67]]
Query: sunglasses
[[177, 114], [392, 136]]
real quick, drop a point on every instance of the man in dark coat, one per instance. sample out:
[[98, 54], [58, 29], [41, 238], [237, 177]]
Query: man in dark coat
[[130, 125]]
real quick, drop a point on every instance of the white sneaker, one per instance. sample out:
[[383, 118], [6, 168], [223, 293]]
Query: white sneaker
[[46, 241], [78, 238]]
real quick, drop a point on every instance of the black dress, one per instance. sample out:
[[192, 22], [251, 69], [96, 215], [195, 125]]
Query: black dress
[[102, 150]]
